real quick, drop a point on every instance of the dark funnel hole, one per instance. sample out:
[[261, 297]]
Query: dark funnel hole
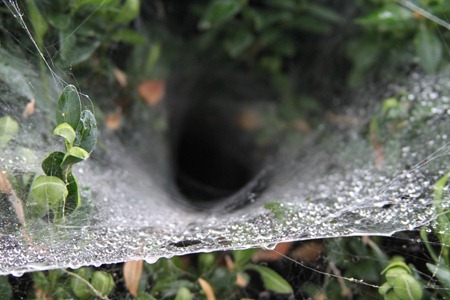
[[212, 157]]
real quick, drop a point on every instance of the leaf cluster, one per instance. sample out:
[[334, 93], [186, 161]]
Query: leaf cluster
[[192, 277], [58, 189], [81, 27], [394, 35]]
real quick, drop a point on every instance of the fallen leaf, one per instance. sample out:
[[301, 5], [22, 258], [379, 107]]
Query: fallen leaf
[[132, 272], [320, 297], [29, 109], [121, 77], [241, 281], [278, 253], [5, 185], [114, 120], [229, 263], [249, 120], [6, 188], [307, 251], [152, 91], [207, 289]]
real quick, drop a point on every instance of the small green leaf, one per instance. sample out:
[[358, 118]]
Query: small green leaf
[[73, 199], [73, 156], [80, 288], [69, 107], [219, 12], [242, 257], [76, 49], [384, 289], [51, 165], [272, 280], [49, 190], [102, 282], [39, 23], [443, 218], [428, 49], [65, 131], [86, 132], [394, 269], [40, 280], [183, 294], [391, 17], [442, 273], [206, 261], [8, 129], [407, 287], [128, 12]]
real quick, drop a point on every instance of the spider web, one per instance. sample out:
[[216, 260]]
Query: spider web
[[327, 184]]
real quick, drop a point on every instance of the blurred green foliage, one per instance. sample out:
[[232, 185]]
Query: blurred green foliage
[[276, 39]]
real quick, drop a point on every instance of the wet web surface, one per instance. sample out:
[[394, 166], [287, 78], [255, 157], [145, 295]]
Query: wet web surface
[[333, 182]]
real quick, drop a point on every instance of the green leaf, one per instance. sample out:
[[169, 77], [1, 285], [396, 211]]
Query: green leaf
[[407, 287], [206, 261], [442, 273], [128, 12], [391, 17], [76, 49], [8, 129], [39, 23], [73, 156], [443, 218], [65, 131], [184, 294], [49, 190], [219, 12], [242, 257], [384, 289], [40, 280], [102, 282], [272, 280], [73, 199], [428, 48], [51, 165], [80, 288], [69, 107], [86, 132], [5, 288]]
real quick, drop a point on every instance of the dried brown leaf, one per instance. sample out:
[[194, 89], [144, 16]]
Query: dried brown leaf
[[6, 188], [241, 281], [121, 77], [29, 109], [152, 91], [249, 120], [207, 289], [5, 185], [132, 272], [114, 120], [272, 255], [308, 251]]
